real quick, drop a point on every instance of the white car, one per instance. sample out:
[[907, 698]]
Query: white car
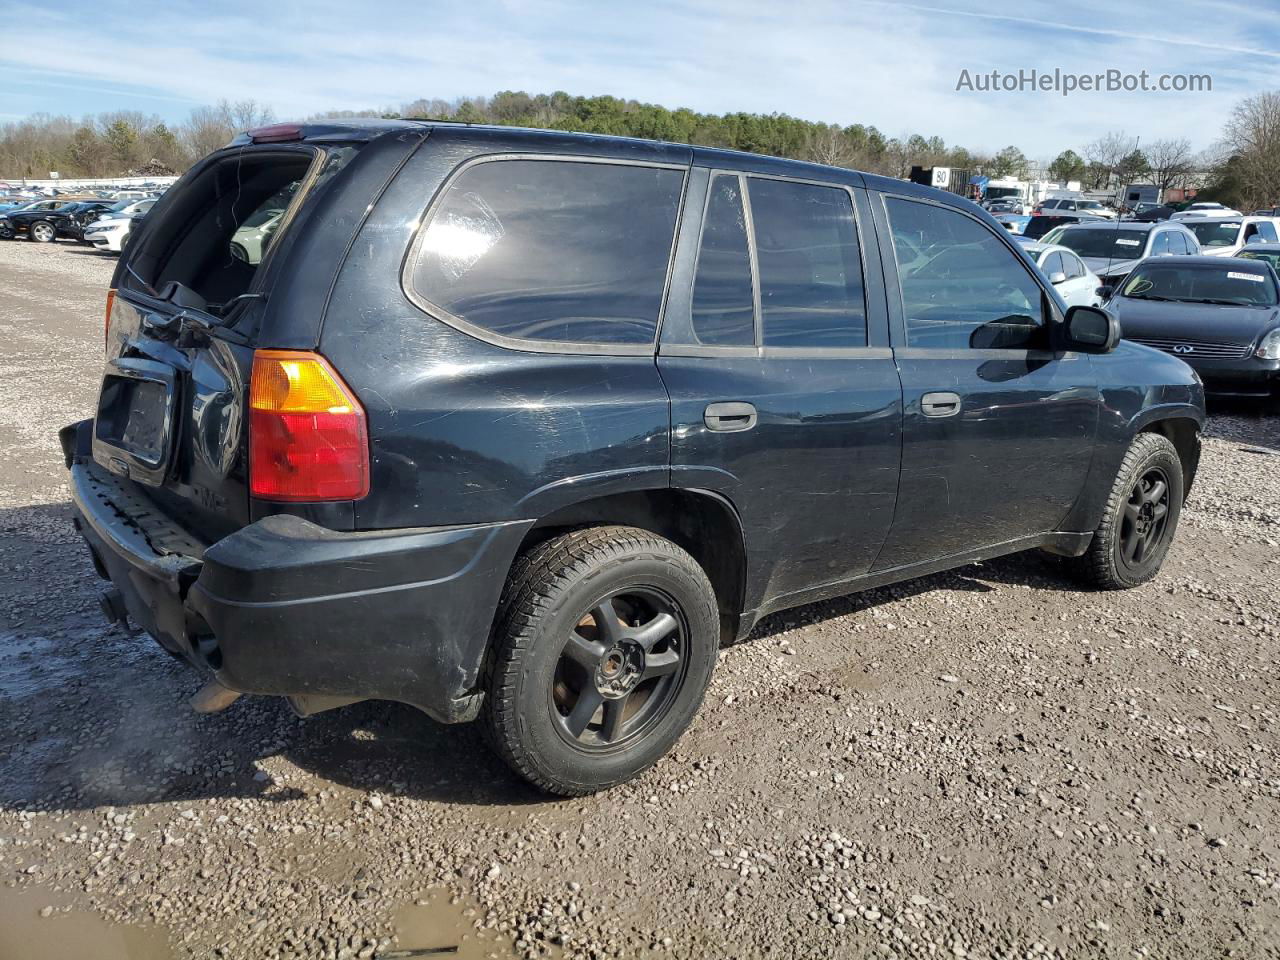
[[1075, 282], [110, 232], [1226, 236], [1074, 205], [1206, 210]]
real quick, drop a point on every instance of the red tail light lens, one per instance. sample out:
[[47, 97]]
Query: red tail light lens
[[106, 322], [308, 438]]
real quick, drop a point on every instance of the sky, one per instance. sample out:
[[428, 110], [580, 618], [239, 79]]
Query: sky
[[892, 65]]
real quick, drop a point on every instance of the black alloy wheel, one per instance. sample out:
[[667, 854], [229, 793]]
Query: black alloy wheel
[[619, 670], [1146, 515]]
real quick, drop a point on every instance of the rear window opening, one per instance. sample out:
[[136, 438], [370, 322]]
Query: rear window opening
[[221, 226]]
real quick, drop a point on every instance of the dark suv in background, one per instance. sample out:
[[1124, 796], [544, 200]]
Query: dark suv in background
[[520, 425]]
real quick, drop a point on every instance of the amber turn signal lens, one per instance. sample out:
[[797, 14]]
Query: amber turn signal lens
[[308, 438]]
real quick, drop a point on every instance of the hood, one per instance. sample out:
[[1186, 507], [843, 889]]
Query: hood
[[1109, 268], [111, 219], [1160, 320]]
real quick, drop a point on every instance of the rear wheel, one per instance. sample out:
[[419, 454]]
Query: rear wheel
[[1140, 518], [605, 643], [42, 231]]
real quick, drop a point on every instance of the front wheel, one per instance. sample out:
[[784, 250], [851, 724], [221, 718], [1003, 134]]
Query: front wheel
[[43, 232], [605, 642], [1140, 517]]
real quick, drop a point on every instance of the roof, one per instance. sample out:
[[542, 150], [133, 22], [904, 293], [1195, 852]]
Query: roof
[[1264, 247], [1134, 226], [369, 128]]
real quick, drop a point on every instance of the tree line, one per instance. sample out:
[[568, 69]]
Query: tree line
[[1242, 168]]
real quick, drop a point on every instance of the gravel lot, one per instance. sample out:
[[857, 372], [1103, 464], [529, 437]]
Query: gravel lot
[[984, 763]]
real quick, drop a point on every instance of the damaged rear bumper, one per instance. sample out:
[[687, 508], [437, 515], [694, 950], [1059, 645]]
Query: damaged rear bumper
[[286, 607]]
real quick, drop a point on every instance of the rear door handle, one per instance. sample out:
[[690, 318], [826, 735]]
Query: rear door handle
[[729, 417], [940, 404]]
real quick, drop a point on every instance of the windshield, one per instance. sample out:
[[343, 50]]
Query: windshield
[[1105, 242], [1242, 286], [1266, 256], [1216, 233]]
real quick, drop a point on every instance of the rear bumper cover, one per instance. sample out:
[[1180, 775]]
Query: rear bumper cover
[[286, 607]]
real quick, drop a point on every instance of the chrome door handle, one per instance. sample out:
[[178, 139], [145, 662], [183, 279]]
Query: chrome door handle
[[729, 417], [940, 404]]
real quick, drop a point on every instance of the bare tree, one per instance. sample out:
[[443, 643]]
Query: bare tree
[[828, 144], [1170, 162], [1104, 155], [1252, 136]]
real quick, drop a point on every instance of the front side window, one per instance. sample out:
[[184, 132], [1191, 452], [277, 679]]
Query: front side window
[[1162, 244], [552, 250], [1052, 264], [961, 286], [724, 312], [1072, 266], [810, 266]]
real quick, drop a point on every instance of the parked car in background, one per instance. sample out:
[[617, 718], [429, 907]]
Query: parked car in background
[[46, 225], [250, 242], [1013, 222], [1227, 236], [110, 232], [1221, 316], [519, 425], [1006, 205], [1074, 281], [1091, 208], [1041, 224], [1206, 209], [1111, 250], [1266, 252]]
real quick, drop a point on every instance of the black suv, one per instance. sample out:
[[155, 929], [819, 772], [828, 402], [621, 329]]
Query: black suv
[[520, 425]]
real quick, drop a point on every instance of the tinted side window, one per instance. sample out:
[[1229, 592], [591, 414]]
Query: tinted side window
[[810, 266], [723, 311], [961, 286], [552, 249], [1267, 232]]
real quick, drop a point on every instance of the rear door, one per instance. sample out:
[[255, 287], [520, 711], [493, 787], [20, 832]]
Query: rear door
[[784, 397], [998, 429]]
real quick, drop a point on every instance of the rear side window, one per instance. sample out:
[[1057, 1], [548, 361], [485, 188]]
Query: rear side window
[[552, 250], [810, 267]]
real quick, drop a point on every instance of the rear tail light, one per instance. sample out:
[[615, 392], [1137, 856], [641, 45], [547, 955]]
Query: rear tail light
[[308, 437], [106, 320]]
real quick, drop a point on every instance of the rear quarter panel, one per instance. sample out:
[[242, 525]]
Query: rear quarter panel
[[463, 431]]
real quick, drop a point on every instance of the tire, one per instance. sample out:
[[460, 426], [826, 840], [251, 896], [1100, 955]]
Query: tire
[[573, 707], [6, 231], [42, 231], [1139, 520]]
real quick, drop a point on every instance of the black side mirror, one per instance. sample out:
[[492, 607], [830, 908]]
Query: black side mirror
[[1105, 291], [1091, 330]]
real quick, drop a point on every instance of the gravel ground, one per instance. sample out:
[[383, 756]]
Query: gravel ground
[[984, 763]]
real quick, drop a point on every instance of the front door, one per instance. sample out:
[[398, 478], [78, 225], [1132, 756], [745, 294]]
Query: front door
[[784, 396], [998, 429]]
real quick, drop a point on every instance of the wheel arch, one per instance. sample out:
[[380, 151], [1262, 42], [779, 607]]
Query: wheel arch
[[703, 523], [1184, 433]]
